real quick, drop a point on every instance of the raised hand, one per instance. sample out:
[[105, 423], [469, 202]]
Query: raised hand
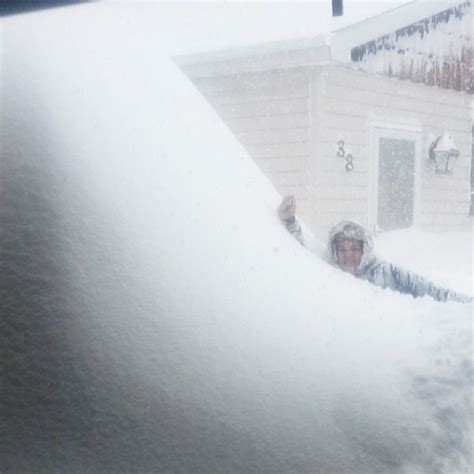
[[287, 208]]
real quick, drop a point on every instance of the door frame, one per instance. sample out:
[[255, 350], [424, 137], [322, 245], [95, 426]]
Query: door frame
[[392, 129]]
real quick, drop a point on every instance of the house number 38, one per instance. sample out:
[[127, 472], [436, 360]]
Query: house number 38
[[341, 152]]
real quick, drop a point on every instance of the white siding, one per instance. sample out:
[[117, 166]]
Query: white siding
[[290, 121], [269, 114], [350, 100]]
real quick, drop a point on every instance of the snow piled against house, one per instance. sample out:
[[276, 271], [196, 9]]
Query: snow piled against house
[[221, 344], [444, 257]]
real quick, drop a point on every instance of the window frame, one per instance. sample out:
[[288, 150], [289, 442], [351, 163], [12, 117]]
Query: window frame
[[401, 131]]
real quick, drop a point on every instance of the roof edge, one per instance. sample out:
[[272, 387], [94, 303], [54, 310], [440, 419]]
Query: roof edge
[[294, 53], [318, 50], [344, 39]]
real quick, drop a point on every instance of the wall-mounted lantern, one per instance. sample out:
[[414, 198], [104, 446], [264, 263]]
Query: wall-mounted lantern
[[443, 152], [346, 154]]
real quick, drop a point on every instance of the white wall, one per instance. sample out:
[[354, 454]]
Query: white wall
[[269, 114], [290, 121], [350, 100]]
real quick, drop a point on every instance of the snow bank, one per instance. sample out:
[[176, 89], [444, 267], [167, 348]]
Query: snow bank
[[443, 257], [159, 318]]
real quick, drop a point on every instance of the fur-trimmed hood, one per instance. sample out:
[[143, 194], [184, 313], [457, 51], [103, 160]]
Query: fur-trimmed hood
[[352, 230]]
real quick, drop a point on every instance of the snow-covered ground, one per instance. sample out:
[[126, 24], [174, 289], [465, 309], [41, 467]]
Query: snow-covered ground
[[158, 318], [443, 257]]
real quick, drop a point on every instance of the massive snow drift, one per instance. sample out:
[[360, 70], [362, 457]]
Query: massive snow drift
[[157, 317]]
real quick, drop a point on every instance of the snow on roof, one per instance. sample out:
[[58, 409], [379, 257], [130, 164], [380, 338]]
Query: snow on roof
[[346, 38], [332, 45], [436, 50]]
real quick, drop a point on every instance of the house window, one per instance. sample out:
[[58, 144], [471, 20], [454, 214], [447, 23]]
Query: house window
[[396, 183], [394, 177]]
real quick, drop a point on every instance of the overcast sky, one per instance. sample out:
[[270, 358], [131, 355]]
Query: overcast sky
[[201, 26]]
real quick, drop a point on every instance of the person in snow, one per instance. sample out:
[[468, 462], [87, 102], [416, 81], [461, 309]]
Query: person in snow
[[350, 248]]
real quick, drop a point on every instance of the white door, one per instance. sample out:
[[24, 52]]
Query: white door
[[394, 177]]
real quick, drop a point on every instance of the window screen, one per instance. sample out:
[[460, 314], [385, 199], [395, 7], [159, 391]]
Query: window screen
[[396, 183]]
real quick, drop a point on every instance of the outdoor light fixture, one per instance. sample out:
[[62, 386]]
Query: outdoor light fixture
[[443, 152]]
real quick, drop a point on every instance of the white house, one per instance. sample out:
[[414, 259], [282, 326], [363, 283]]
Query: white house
[[350, 122]]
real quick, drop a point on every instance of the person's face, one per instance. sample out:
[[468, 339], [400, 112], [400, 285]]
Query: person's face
[[349, 253]]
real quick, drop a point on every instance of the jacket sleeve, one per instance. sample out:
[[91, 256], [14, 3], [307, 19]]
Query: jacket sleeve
[[294, 228], [403, 281]]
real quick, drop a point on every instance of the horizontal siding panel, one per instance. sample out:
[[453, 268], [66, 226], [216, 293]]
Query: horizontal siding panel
[[332, 135], [343, 77], [230, 100], [430, 194], [282, 164], [288, 178], [271, 80], [357, 107], [343, 192], [257, 96], [258, 108], [437, 120], [264, 92], [435, 95], [463, 173], [382, 85], [446, 207], [343, 205], [335, 217], [281, 76], [273, 137], [343, 177], [349, 94], [334, 163], [351, 109], [351, 138], [326, 220], [300, 192], [334, 121], [459, 178], [275, 122], [399, 101], [464, 159], [461, 210], [278, 151], [444, 183], [328, 148], [464, 143]]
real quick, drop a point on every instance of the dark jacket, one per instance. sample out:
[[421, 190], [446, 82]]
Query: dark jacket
[[378, 272]]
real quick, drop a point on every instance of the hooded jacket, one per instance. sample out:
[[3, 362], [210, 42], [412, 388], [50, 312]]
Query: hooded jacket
[[380, 273]]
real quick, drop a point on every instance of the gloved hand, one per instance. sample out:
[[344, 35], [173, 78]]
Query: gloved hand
[[287, 208]]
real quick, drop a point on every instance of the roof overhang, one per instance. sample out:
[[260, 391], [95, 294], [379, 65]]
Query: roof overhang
[[318, 50], [345, 39], [258, 58]]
